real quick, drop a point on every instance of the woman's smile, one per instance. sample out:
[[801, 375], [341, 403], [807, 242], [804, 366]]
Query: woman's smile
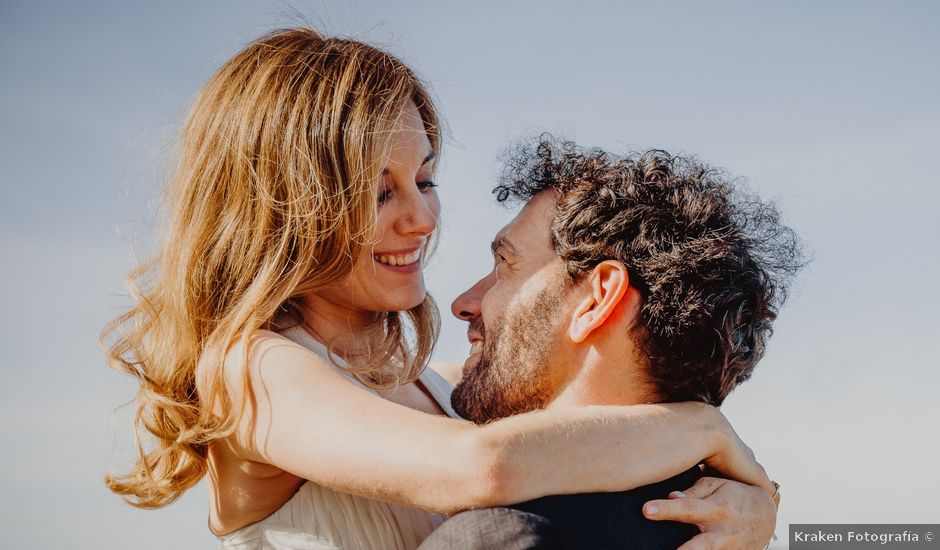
[[401, 261]]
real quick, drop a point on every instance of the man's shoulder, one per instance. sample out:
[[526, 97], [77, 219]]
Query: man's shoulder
[[586, 520], [487, 528], [615, 520], [642, 494]]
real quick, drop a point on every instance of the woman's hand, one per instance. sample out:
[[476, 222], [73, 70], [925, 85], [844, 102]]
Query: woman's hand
[[730, 514]]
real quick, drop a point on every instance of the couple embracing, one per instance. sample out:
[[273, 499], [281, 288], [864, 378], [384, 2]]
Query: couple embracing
[[282, 333]]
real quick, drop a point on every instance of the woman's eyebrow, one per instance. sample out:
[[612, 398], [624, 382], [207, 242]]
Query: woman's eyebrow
[[427, 159]]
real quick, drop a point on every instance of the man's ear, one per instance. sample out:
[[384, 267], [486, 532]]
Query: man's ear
[[608, 282]]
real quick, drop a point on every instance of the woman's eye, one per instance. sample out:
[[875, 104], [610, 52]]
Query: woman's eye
[[426, 185], [384, 196]]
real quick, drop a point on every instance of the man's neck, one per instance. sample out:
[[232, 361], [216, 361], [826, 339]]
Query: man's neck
[[605, 377]]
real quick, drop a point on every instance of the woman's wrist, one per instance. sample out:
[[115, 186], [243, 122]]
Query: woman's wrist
[[705, 424], [719, 437], [719, 430]]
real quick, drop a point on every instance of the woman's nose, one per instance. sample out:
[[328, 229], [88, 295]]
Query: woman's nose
[[420, 217]]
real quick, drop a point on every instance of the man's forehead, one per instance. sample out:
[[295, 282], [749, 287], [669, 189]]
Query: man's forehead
[[530, 230]]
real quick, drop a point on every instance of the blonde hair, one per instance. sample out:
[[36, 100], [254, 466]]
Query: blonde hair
[[274, 196]]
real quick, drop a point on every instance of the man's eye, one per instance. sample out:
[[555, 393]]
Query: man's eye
[[499, 258], [426, 185]]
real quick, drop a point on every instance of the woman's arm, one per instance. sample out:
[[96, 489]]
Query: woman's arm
[[311, 422], [599, 449]]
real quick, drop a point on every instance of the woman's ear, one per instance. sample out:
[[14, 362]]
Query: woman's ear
[[608, 281]]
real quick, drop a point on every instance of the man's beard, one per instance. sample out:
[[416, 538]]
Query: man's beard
[[512, 374]]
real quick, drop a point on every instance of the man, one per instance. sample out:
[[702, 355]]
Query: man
[[622, 281]]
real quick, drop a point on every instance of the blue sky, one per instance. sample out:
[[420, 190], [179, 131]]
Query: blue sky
[[830, 109]]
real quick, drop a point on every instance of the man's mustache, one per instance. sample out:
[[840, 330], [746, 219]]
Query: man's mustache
[[476, 328]]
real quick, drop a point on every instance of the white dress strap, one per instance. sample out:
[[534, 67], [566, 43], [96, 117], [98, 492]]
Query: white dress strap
[[440, 390]]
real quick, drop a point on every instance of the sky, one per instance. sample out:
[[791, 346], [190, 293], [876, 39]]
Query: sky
[[829, 109]]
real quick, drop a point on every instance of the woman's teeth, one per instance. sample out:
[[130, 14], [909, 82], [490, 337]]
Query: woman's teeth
[[398, 259], [476, 346]]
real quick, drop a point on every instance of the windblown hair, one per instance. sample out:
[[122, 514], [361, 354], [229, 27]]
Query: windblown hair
[[711, 263], [274, 196]]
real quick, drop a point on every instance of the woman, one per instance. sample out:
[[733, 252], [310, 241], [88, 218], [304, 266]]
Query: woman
[[284, 323]]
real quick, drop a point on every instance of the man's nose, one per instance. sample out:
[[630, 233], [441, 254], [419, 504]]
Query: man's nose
[[469, 305]]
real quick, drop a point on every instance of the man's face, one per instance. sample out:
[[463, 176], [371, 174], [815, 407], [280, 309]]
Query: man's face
[[516, 318]]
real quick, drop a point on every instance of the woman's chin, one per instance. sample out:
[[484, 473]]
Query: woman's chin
[[405, 302]]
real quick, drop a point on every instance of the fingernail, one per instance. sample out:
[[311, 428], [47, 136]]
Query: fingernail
[[677, 494], [652, 509]]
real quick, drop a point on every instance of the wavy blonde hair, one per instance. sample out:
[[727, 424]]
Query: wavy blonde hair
[[274, 196]]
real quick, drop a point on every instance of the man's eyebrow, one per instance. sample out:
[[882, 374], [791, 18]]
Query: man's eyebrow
[[426, 160], [502, 243]]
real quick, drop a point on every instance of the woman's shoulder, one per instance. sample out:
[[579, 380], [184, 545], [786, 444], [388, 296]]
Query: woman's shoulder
[[252, 357], [258, 371], [264, 348], [259, 343]]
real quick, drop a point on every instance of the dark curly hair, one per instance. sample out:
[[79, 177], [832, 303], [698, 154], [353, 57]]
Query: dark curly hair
[[712, 263]]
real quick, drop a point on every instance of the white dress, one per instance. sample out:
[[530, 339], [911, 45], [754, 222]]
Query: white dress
[[319, 518]]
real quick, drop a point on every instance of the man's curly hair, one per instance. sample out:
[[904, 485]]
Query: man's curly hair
[[712, 263]]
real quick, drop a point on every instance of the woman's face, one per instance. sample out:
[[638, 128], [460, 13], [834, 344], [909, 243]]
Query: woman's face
[[389, 276]]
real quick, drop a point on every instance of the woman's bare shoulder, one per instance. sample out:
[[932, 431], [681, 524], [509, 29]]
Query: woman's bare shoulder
[[264, 349], [258, 345], [258, 372], [251, 358]]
